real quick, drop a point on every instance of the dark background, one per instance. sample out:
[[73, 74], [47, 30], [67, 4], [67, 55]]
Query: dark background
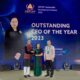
[[68, 12]]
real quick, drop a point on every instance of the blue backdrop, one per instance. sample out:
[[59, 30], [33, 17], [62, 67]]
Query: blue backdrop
[[67, 46]]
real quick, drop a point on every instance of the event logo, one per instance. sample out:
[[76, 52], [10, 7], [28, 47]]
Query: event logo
[[30, 8]]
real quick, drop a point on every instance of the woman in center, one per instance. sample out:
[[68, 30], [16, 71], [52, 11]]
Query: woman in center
[[38, 61]]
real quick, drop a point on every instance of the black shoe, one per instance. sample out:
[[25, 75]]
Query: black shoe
[[51, 76], [28, 75], [25, 76], [46, 75]]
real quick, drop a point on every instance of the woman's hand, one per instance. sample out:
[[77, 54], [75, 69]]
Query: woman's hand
[[39, 54], [32, 51], [36, 55]]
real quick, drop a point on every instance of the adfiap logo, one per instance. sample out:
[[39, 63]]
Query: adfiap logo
[[30, 8]]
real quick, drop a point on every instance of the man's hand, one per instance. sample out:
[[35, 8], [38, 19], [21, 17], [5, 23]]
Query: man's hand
[[53, 60]]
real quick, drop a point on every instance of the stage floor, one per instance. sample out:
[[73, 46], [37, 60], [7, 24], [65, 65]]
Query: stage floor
[[58, 75]]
